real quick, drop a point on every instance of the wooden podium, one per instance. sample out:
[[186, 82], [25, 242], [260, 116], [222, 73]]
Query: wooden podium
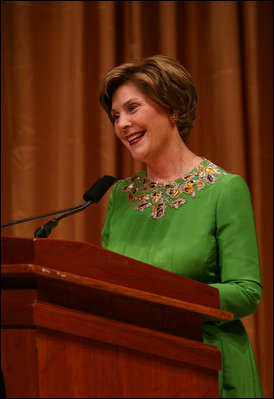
[[79, 321]]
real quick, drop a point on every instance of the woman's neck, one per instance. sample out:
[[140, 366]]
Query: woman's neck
[[173, 164]]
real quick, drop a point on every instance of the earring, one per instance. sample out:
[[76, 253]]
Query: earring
[[173, 119]]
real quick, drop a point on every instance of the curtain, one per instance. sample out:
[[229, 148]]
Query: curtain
[[56, 140]]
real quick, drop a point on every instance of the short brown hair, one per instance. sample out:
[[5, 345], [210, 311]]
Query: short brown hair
[[162, 79]]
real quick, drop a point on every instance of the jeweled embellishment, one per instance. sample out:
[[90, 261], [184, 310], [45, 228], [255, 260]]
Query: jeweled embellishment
[[188, 189], [156, 196], [142, 205], [131, 194], [159, 196], [158, 210], [143, 197], [173, 192], [200, 185], [211, 179], [178, 203]]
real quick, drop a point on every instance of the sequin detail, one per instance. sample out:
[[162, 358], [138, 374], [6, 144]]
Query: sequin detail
[[159, 196]]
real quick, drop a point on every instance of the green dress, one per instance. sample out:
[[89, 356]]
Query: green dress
[[202, 227]]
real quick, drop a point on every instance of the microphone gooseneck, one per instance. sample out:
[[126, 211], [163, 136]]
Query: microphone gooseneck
[[94, 194], [41, 216]]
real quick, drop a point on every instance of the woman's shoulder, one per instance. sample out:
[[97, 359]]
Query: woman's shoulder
[[226, 176], [228, 181]]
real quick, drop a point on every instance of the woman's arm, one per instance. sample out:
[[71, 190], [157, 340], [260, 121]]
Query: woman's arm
[[240, 288]]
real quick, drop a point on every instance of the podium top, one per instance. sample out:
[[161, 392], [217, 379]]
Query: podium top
[[89, 265]]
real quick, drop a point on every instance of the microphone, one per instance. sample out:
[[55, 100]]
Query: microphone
[[93, 194], [99, 188]]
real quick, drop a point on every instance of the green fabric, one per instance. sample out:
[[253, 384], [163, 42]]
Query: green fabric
[[211, 238]]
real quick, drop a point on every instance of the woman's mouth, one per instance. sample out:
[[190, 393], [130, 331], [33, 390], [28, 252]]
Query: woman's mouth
[[134, 138]]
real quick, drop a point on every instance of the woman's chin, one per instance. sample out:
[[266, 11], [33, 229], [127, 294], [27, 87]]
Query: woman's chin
[[138, 155]]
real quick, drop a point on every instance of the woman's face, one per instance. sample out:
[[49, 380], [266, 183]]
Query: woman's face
[[140, 123]]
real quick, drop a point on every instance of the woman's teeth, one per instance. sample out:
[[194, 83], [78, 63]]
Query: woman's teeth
[[135, 136]]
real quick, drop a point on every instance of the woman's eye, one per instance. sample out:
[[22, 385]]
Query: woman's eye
[[115, 116], [132, 107]]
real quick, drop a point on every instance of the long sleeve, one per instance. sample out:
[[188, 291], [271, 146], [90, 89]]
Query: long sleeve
[[240, 288]]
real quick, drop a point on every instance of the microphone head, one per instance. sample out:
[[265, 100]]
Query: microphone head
[[99, 188]]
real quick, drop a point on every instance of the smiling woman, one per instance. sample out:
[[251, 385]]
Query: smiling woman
[[183, 213], [148, 106]]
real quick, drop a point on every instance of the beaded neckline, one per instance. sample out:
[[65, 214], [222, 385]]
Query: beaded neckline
[[159, 196]]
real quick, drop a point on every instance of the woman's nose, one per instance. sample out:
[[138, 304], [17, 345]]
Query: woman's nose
[[124, 122]]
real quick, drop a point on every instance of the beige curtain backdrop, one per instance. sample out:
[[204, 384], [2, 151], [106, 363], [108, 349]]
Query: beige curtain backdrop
[[56, 140]]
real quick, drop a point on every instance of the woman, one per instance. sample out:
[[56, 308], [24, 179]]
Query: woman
[[183, 213]]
